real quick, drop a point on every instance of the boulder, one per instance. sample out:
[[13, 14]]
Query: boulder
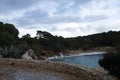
[[29, 55]]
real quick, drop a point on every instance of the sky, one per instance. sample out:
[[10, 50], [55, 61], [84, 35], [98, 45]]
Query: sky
[[67, 18]]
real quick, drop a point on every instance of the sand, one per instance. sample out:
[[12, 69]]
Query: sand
[[13, 73], [18, 69]]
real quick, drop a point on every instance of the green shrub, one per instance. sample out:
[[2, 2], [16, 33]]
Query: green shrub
[[111, 62], [12, 52]]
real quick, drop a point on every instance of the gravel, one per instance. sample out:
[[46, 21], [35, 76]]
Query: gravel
[[13, 73]]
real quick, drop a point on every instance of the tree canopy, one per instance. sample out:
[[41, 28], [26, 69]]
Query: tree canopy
[[111, 62], [46, 41]]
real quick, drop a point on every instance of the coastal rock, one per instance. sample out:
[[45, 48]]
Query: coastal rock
[[29, 55]]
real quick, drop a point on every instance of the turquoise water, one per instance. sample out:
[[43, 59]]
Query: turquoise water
[[90, 61]]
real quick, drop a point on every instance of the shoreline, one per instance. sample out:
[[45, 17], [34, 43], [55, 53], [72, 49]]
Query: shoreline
[[71, 72], [78, 54]]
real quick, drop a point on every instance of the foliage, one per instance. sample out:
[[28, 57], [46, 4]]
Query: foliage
[[111, 62], [36, 48], [44, 34], [8, 34], [26, 36], [6, 39], [12, 51], [46, 41], [9, 28]]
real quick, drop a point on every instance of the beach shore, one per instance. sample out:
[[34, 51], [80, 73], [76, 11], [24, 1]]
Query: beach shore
[[76, 54], [50, 70]]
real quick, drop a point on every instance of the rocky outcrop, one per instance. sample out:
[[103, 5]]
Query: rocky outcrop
[[29, 55], [81, 73]]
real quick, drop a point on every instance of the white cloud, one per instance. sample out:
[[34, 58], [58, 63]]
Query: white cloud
[[67, 18]]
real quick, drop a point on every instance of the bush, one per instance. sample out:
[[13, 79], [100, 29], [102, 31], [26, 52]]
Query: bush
[[12, 52], [111, 62], [6, 39]]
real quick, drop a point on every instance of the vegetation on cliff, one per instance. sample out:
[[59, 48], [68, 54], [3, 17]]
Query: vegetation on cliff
[[45, 41], [111, 62]]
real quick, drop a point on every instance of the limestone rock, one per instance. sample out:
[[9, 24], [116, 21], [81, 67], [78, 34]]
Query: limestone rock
[[29, 55]]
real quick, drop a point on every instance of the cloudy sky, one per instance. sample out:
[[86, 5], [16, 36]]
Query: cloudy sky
[[68, 18]]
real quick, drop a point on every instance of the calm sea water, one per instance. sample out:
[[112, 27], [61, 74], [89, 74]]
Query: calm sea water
[[90, 61]]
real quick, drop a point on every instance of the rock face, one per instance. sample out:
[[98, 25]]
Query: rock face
[[29, 55]]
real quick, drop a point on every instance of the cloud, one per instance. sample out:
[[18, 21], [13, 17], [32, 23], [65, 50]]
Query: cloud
[[13, 5], [32, 17], [62, 17]]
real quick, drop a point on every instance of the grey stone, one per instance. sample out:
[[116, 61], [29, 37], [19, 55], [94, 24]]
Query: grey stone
[[29, 55]]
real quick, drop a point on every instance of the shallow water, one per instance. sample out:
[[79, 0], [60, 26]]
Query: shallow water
[[90, 61]]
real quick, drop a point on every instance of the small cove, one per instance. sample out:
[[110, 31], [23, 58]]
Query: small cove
[[89, 59]]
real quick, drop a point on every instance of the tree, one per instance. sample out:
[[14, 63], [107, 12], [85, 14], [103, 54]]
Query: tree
[[26, 36], [1, 24], [39, 34], [6, 39], [8, 34], [44, 34], [111, 62], [10, 28]]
